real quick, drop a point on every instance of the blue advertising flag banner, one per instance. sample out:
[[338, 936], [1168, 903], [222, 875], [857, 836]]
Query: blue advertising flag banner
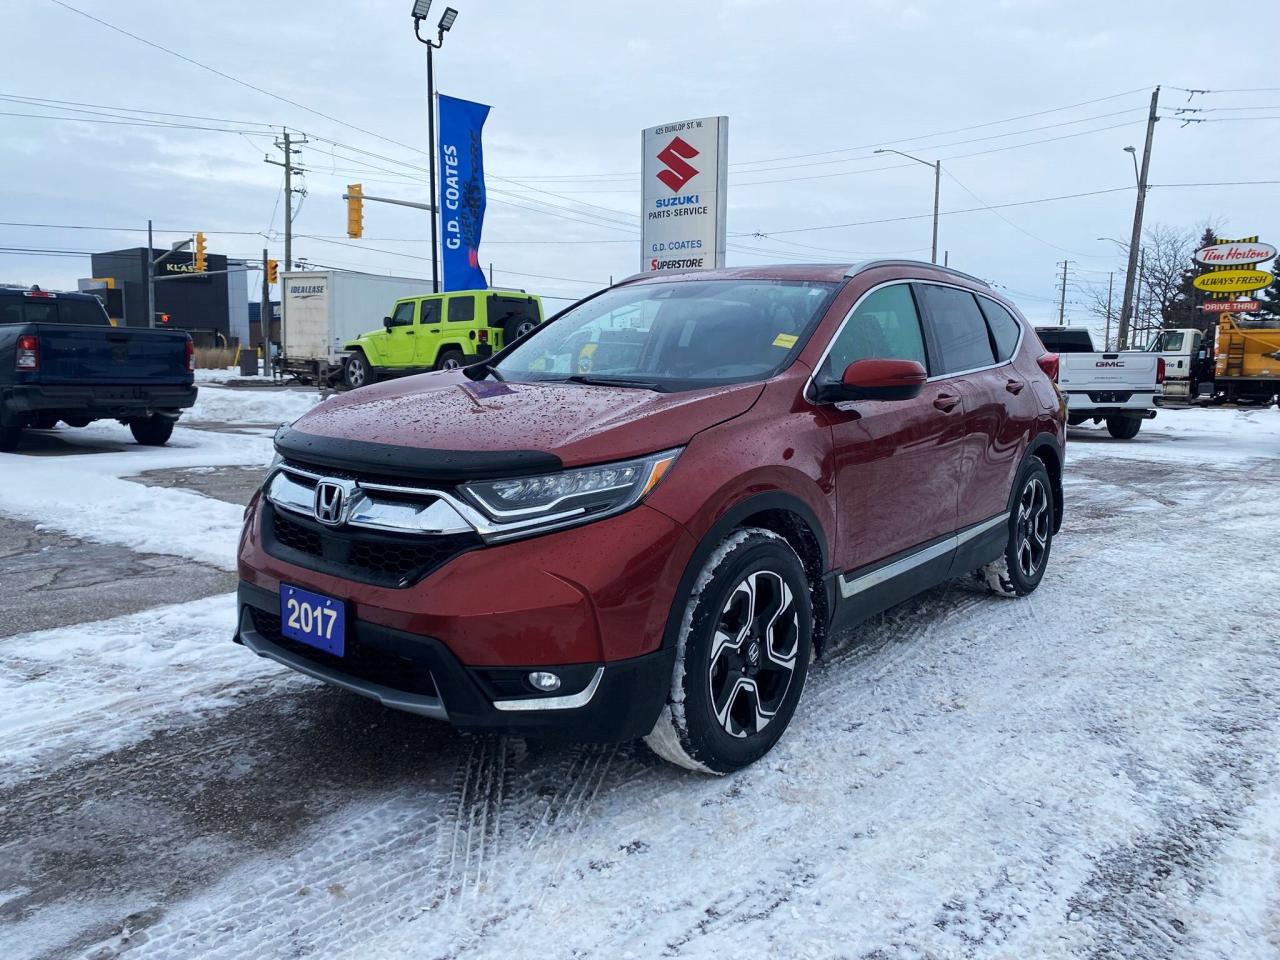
[[462, 195]]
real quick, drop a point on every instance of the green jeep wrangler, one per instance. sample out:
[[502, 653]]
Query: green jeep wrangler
[[441, 331]]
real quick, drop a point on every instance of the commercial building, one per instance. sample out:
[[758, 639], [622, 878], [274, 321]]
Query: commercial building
[[213, 306]]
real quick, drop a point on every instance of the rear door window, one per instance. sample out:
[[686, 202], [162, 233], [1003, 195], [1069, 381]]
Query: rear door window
[[957, 328], [462, 309], [885, 326], [1005, 328], [430, 314]]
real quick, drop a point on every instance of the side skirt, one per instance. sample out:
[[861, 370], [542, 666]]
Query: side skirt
[[869, 590]]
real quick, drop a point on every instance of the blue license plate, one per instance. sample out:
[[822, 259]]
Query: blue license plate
[[313, 619]]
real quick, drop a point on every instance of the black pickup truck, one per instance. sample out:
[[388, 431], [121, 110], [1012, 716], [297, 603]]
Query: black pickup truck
[[62, 360]]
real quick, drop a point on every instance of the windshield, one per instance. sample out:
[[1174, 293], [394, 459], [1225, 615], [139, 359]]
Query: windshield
[[677, 335]]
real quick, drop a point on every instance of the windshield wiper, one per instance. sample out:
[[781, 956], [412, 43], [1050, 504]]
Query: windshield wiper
[[488, 369], [612, 382]]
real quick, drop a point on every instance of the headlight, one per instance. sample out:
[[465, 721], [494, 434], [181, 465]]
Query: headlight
[[522, 504]]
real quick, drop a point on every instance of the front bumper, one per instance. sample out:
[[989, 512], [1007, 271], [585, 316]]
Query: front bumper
[[102, 402], [600, 702]]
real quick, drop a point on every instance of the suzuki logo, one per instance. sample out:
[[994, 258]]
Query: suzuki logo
[[330, 502], [675, 156]]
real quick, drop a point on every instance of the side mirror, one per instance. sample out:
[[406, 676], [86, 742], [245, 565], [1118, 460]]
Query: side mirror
[[386, 322], [876, 380]]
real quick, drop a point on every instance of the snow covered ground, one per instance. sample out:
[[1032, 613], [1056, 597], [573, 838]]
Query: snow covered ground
[[1093, 771]]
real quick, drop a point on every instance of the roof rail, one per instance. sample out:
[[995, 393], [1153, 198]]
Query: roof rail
[[865, 265]]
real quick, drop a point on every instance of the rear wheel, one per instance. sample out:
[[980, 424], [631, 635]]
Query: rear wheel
[[154, 431], [358, 372], [450, 359], [10, 437], [1123, 428], [1019, 570], [742, 655]]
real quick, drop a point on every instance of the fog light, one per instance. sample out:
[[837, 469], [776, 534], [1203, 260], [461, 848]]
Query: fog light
[[546, 682]]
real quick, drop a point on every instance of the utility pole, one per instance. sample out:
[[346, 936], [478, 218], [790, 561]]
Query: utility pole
[[1106, 339], [1062, 298], [290, 147], [1135, 240], [151, 278], [264, 315]]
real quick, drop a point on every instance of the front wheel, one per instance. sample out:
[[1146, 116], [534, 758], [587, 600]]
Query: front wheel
[[742, 655], [1123, 428], [10, 437], [154, 431], [357, 372], [1019, 570]]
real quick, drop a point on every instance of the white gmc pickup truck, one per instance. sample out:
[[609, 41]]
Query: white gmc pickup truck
[[1120, 388]]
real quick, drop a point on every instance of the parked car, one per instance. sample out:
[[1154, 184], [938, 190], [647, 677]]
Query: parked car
[[61, 360], [440, 332], [646, 516], [1119, 388]]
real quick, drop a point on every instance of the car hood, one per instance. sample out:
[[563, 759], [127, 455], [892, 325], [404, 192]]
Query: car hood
[[447, 425]]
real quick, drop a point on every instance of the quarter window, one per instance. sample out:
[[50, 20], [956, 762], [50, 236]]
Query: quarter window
[[885, 326], [462, 309], [1005, 328], [403, 315], [957, 326]]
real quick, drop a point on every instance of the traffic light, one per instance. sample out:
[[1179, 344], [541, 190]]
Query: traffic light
[[201, 260], [355, 210], [273, 270]]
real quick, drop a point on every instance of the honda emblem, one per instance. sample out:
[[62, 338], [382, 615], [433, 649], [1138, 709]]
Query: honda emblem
[[330, 503]]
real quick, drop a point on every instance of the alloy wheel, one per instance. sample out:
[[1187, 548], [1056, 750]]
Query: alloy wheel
[[1032, 530], [753, 653], [355, 372], [450, 363], [524, 328]]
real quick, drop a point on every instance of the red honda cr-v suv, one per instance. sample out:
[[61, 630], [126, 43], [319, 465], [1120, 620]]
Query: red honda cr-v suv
[[644, 517]]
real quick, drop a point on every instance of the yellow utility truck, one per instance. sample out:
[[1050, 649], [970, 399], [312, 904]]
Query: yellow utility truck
[[1246, 360]]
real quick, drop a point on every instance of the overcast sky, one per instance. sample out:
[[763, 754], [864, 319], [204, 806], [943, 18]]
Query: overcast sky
[[818, 85]]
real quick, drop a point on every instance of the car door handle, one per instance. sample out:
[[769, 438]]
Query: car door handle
[[434, 330], [409, 333], [946, 402], [1014, 386]]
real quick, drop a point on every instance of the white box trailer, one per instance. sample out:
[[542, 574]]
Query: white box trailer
[[323, 309]]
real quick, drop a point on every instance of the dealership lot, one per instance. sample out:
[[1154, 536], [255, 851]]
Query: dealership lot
[[1089, 771]]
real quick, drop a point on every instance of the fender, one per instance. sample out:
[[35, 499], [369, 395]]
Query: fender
[[368, 347], [728, 521]]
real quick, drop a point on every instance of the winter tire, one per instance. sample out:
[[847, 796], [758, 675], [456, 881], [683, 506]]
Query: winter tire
[[1019, 570], [10, 437], [1123, 428], [450, 359], [742, 655], [358, 372], [154, 431]]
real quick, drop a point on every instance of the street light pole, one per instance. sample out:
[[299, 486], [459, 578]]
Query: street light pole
[[1131, 272], [937, 191], [420, 9]]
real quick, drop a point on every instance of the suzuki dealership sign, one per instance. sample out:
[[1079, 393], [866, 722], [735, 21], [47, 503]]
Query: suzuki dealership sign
[[686, 178]]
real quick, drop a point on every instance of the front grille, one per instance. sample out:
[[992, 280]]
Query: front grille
[[382, 559], [364, 660], [296, 537]]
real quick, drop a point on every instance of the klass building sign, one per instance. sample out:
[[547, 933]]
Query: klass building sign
[[685, 193]]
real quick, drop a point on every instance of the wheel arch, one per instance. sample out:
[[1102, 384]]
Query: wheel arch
[[449, 345], [1048, 451], [793, 520]]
